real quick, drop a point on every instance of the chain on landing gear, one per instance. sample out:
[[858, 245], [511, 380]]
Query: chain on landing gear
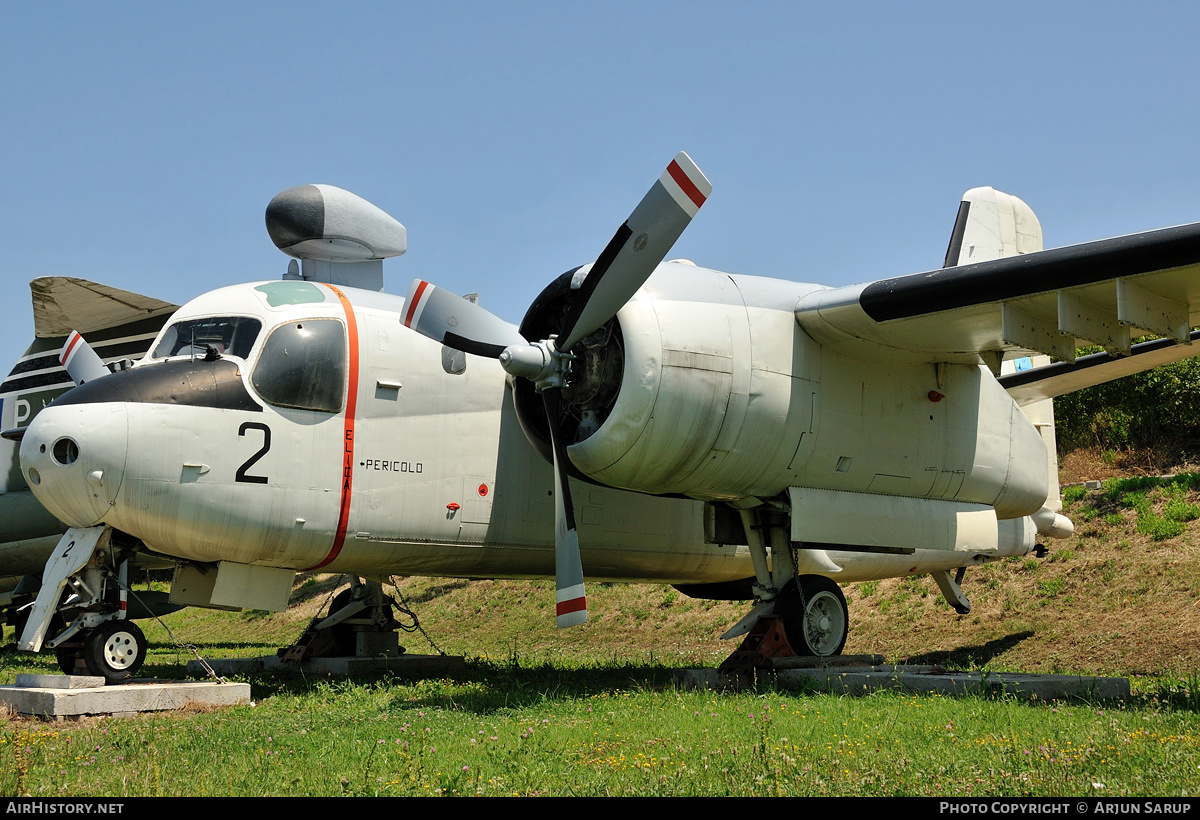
[[360, 624]]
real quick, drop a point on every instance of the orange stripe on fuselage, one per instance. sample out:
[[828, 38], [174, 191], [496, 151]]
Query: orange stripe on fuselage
[[339, 537]]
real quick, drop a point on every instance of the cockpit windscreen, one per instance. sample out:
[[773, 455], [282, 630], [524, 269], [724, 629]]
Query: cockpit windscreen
[[222, 335]]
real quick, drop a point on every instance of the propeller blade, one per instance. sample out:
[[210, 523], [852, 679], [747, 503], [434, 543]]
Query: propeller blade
[[81, 362], [570, 598], [637, 248], [457, 323]]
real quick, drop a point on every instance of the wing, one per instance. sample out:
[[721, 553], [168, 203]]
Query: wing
[[1048, 301], [62, 304]]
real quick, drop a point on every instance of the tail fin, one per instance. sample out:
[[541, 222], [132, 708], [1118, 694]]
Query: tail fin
[[991, 225]]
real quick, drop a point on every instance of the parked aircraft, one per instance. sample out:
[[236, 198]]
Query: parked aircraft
[[649, 420], [121, 326]]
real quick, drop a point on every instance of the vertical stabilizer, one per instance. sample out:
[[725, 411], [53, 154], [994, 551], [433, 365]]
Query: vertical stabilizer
[[991, 225]]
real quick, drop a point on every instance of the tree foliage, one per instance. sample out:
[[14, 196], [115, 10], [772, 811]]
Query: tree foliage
[[1155, 409]]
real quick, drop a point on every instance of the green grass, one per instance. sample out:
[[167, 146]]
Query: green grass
[[611, 730], [600, 720], [1160, 503], [590, 711]]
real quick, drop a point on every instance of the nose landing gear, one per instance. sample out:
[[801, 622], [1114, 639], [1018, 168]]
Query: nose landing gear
[[115, 650], [83, 582]]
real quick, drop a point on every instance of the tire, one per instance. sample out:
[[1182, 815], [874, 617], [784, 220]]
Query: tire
[[115, 650], [344, 640], [66, 659], [814, 615]]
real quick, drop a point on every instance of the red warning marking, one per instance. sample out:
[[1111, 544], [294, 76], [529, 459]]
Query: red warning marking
[[573, 605], [483, 490], [74, 340], [685, 183], [412, 306]]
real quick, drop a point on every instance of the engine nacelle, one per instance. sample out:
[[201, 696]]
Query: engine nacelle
[[674, 398], [683, 421], [705, 386]]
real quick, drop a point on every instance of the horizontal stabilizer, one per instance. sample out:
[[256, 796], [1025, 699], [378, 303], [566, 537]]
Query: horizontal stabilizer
[[1060, 378]]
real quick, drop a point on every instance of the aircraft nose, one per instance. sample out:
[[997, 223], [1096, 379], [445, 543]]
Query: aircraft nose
[[73, 458]]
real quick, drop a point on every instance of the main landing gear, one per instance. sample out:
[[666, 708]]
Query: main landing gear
[[796, 615], [359, 624], [814, 614]]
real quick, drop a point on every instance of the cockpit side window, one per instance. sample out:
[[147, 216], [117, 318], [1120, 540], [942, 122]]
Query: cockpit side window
[[303, 365], [227, 335]]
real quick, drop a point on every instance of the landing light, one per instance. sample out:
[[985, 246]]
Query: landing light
[[65, 451]]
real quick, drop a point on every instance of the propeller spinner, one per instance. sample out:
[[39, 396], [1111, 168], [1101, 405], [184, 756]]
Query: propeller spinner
[[637, 248]]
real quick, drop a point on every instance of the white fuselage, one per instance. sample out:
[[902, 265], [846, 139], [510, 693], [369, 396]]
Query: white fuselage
[[423, 468]]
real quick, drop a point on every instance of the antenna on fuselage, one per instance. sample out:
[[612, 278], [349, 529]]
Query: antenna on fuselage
[[339, 237]]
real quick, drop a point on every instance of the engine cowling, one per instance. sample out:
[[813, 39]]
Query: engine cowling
[[658, 400]]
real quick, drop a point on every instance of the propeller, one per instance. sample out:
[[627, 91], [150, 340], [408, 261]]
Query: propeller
[[81, 362], [637, 248]]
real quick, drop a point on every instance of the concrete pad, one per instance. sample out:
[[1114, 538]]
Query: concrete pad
[[915, 679], [30, 696], [59, 681], [409, 666]]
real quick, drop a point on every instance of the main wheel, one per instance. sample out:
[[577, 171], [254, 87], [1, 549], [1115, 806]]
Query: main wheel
[[344, 640], [814, 615], [115, 650]]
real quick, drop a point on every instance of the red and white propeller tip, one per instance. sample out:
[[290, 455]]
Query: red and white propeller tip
[[637, 248], [631, 256], [81, 362]]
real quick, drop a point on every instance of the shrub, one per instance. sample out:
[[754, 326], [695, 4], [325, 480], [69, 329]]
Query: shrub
[[1154, 409]]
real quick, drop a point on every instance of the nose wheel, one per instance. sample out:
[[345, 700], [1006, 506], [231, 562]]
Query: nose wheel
[[115, 650]]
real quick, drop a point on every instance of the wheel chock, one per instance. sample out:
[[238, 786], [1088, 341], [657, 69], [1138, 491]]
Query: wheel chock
[[766, 639]]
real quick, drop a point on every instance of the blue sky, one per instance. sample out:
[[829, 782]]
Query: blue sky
[[142, 142]]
